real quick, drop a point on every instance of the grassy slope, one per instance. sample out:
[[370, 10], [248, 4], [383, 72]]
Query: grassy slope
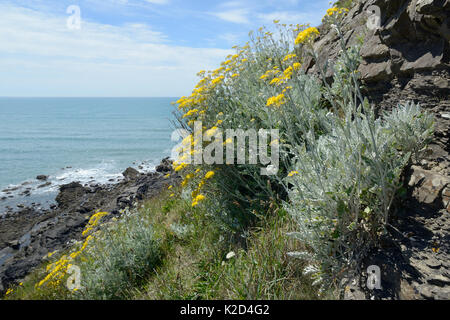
[[194, 264]]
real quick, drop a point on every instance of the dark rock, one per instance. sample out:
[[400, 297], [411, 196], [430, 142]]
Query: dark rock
[[130, 173], [165, 166], [68, 193], [14, 244], [42, 177], [44, 185]]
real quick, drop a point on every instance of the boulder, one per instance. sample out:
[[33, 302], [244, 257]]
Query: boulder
[[69, 193], [130, 174], [165, 166]]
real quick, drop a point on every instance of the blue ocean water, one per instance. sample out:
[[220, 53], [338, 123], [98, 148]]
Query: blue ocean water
[[78, 139]]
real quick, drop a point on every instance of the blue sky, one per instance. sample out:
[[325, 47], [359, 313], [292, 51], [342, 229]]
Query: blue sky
[[128, 47]]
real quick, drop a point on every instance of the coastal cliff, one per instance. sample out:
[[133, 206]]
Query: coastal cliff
[[407, 58]]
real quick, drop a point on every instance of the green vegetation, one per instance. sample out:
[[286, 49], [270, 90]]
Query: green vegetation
[[229, 232], [185, 258]]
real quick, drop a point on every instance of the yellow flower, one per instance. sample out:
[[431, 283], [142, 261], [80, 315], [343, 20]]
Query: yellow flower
[[289, 56], [217, 80], [180, 167], [297, 66], [189, 176], [331, 11], [211, 131], [199, 198], [306, 35], [209, 174], [275, 81], [288, 72], [292, 173], [190, 113], [169, 187], [276, 101]]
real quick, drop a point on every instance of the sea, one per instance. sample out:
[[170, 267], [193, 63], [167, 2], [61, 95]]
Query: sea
[[90, 140]]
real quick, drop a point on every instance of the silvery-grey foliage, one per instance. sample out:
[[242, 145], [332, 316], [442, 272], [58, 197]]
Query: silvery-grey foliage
[[349, 165]]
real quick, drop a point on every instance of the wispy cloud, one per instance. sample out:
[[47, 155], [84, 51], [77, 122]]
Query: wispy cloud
[[231, 38], [234, 15], [40, 46], [128, 47]]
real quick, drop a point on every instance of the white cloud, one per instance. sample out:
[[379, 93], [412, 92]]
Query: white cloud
[[158, 1], [235, 15], [231, 38], [43, 57]]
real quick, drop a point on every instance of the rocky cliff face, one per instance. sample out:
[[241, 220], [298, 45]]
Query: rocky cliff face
[[407, 58]]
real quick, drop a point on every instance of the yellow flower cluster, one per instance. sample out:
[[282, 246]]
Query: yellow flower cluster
[[289, 57], [209, 174], [57, 270], [11, 290], [196, 196], [306, 35], [335, 10], [93, 222], [277, 100], [270, 73], [195, 105], [195, 108], [197, 199], [292, 173]]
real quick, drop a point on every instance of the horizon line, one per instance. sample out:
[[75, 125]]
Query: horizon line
[[73, 97]]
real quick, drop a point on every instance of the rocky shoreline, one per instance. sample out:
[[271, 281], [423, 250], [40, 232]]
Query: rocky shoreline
[[30, 234]]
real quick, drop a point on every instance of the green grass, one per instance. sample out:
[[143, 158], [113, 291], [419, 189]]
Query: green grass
[[197, 268]]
